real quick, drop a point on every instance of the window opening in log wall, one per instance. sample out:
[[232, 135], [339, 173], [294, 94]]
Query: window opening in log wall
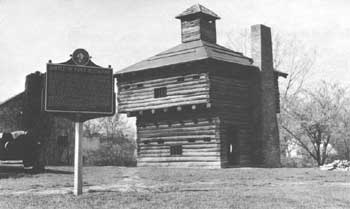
[[191, 140], [181, 79], [160, 92], [196, 77], [176, 150], [207, 139]]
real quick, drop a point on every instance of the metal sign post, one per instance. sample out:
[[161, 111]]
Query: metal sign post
[[78, 164]]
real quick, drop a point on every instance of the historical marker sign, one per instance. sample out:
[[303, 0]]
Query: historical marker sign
[[79, 88]]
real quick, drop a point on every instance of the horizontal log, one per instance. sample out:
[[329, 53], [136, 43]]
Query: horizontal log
[[124, 109], [181, 141], [192, 145], [161, 154], [234, 81], [170, 88], [192, 154], [153, 151], [146, 96], [238, 99], [135, 99], [173, 133], [230, 94], [176, 125], [207, 153], [227, 89], [165, 100], [172, 126], [178, 141], [172, 79], [243, 108], [157, 136], [179, 137], [207, 165], [215, 86], [185, 150], [177, 131], [179, 159]]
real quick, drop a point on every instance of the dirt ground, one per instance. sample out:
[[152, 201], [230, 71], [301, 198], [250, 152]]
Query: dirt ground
[[121, 187]]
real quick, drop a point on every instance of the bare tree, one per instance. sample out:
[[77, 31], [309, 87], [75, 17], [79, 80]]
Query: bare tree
[[115, 126], [116, 135], [290, 55], [343, 143], [313, 119]]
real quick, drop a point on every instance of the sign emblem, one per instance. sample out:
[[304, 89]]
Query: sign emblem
[[80, 57]]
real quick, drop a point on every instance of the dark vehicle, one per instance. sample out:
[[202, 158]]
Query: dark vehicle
[[20, 146]]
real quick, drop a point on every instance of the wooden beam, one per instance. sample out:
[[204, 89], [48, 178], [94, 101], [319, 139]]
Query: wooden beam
[[141, 112], [208, 105], [194, 107], [153, 111], [165, 110], [178, 108]]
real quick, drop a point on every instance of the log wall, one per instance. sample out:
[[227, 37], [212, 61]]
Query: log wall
[[181, 90], [232, 99], [198, 133]]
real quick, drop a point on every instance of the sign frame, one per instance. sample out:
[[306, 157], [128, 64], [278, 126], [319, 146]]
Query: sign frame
[[51, 110]]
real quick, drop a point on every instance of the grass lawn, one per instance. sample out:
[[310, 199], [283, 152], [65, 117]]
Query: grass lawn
[[158, 188]]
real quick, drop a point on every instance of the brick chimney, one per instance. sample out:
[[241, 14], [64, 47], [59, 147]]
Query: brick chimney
[[262, 56], [32, 99], [198, 23]]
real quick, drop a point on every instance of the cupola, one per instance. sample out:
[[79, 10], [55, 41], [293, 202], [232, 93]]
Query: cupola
[[198, 23]]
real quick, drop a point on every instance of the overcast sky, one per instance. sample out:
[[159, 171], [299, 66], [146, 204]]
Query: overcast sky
[[122, 32]]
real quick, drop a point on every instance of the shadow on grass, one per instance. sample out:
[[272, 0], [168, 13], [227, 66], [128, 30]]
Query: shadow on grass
[[12, 172], [19, 172], [57, 171]]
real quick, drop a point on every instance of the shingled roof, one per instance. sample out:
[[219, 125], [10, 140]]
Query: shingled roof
[[189, 52], [197, 9]]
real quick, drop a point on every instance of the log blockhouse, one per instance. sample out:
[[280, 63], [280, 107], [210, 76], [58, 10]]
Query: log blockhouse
[[200, 104]]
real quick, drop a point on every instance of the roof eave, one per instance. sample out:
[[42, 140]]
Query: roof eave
[[157, 67], [280, 73], [179, 63], [11, 98]]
